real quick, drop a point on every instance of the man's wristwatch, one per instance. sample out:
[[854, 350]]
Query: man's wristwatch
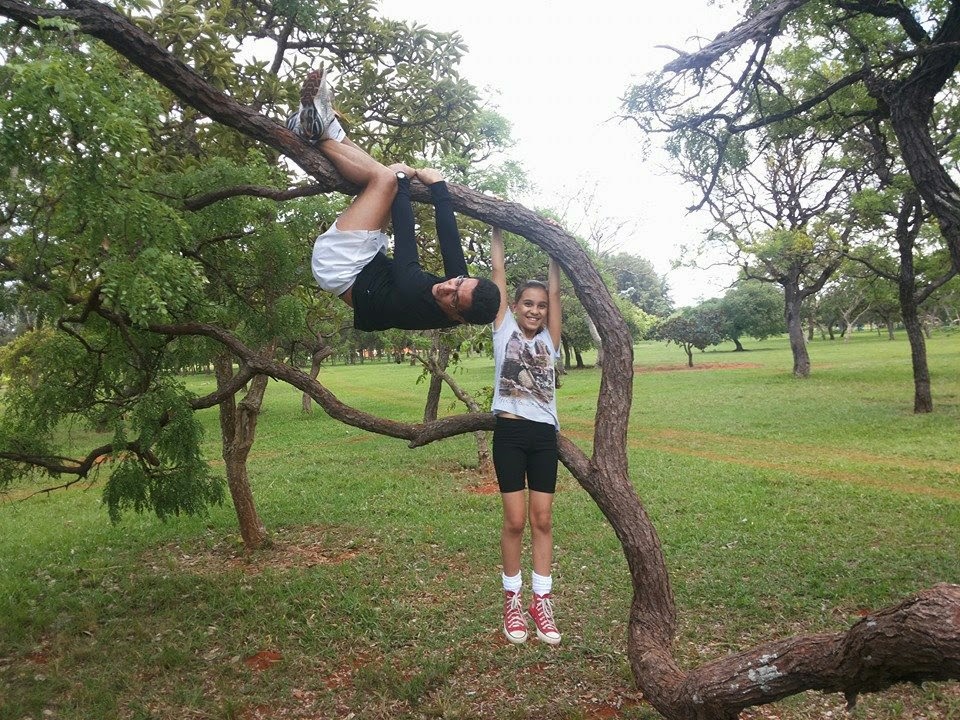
[[401, 175]]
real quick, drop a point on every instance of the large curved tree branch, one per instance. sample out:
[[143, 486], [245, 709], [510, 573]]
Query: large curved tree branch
[[884, 648]]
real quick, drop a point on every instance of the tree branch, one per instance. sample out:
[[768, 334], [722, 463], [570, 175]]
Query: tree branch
[[754, 29], [890, 646], [198, 202]]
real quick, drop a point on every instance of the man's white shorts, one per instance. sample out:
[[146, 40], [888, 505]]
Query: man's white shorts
[[340, 255]]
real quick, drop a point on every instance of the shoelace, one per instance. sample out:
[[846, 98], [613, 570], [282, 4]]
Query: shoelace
[[514, 612], [545, 613]]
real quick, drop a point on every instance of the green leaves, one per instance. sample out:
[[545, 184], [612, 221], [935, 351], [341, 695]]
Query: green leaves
[[154, 287], [168, 475], [101, 169]]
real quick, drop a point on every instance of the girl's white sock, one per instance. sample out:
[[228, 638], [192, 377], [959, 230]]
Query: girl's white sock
[[512, 584], [542, 584]]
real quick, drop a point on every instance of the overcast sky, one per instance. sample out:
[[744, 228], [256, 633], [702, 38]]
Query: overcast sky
[[557, 70]]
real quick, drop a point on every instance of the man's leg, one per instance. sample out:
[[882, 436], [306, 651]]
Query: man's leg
[[316, 122], [371, 208]]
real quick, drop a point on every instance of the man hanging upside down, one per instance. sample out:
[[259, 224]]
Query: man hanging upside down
[[349, 259]]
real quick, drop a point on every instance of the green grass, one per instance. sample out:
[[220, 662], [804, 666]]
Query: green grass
[[783, 506]]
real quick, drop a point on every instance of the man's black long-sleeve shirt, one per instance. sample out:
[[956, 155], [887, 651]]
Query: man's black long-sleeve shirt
[[396, 292]]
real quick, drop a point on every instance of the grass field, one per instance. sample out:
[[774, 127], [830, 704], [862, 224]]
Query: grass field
[[784, 507]]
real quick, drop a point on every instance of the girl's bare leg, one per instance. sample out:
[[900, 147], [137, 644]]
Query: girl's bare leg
[[511, 535]]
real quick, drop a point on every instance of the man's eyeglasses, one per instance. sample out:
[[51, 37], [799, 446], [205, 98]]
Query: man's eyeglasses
[[456, 293]]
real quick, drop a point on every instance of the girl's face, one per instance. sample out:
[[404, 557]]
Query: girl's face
[[531, 310]]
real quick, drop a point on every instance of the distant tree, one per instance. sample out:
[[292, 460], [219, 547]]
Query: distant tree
[[847, 70], [945, 304], [845, 300], [918, 267], [637, 281], [692, 328], [751, 309], [781, 212], [834, 65]]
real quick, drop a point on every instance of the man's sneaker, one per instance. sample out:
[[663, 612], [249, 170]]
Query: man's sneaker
[[514, 622], [316, 112], [541, 612]]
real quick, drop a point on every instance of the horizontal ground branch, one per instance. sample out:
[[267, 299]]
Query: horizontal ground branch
[[913, 641]]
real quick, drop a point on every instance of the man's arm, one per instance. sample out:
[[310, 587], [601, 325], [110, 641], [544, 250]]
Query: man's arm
[[448, 234], [405, 256]]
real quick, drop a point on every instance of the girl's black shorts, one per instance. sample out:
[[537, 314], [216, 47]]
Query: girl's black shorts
[[525, 450]]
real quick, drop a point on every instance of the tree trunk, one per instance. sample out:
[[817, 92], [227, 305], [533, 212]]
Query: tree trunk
[[922, 397], [591, 326], [436, 364], [566, 351], [801, 359], [810, 328], [438, 361], [238, 425], [576, 352], [739, 347], [907, 233], [891, 326], [321, 352], [689, 350], [911, 103]]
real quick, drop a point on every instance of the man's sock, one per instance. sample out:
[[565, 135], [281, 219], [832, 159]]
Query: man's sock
[[542, 584], [334, 131]]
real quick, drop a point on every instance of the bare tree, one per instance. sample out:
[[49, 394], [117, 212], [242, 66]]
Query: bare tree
[[778, 217]]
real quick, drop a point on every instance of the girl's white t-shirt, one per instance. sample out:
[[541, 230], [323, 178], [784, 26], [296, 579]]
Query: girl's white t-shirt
[[524, 379]]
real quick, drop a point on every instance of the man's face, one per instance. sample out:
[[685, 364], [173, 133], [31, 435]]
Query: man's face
[[455, 295]]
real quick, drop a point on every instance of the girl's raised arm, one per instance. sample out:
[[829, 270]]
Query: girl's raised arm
[[499, 274], [555, 316]]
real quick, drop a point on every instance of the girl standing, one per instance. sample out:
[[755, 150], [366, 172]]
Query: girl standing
[[525, 343]]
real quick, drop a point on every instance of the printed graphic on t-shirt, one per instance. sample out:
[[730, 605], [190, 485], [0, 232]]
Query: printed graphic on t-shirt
[[527, 370]]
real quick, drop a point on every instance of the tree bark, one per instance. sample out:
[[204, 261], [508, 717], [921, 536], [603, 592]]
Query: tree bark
[[238, 424], [792, 308], [591, 326], [438, 361], [321, 351], [911, 103], [909, 222]]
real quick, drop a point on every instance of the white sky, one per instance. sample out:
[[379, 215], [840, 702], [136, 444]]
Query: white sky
[[556, 70]]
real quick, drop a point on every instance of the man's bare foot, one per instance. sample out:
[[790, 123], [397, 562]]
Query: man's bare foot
[[428, 176]]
